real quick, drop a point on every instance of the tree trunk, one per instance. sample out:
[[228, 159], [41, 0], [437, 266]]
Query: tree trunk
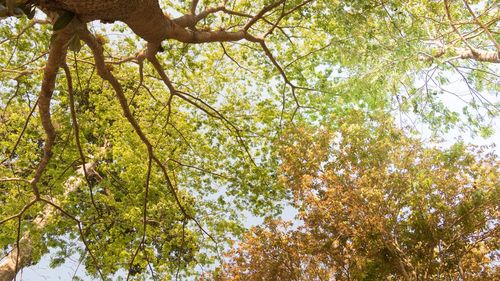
[[144, 17], [8, 265], [22, 256]]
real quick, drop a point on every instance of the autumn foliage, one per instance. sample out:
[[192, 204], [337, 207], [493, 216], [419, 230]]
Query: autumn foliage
[[375, 204], [137, 138]]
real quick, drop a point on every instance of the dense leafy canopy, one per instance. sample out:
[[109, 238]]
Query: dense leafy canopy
[[140, 141], [377, 205]]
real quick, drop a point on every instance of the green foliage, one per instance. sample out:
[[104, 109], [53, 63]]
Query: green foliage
[[222, 141]]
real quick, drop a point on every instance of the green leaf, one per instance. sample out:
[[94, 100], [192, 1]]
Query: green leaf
[[63, 20]]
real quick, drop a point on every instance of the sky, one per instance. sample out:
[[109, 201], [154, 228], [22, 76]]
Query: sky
[[42, 270]]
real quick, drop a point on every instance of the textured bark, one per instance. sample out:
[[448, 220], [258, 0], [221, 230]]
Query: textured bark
[[8, 265], [465, 53], [144, 17], [480, 55], [89, 10]]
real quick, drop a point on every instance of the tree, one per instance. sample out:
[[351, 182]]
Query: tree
[[129, 164], [377, 205]]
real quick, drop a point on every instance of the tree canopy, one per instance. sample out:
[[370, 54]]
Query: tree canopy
[[138, 135], [375, 204]]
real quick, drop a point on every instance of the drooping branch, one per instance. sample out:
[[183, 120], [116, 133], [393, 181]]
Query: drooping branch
[[57, 55], [144, 215], [76, 129], [22, 251], [198, 103], [18, 140], [106, 74]]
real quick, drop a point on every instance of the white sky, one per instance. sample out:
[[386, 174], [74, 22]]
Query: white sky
[[42, 271]]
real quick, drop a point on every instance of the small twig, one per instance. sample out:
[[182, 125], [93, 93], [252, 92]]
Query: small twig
[[144, 216], [76, 128]]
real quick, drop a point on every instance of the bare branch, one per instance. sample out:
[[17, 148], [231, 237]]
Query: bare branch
[[76, 128], [194, 4], [144, 216], [90, 40], [14, 180], [262, 13], [486, 29]]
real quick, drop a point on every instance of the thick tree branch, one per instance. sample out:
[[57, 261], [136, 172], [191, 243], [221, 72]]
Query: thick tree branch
[[479, 55], [57, 55], [108, 76], [147, 20], [464, 53]]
